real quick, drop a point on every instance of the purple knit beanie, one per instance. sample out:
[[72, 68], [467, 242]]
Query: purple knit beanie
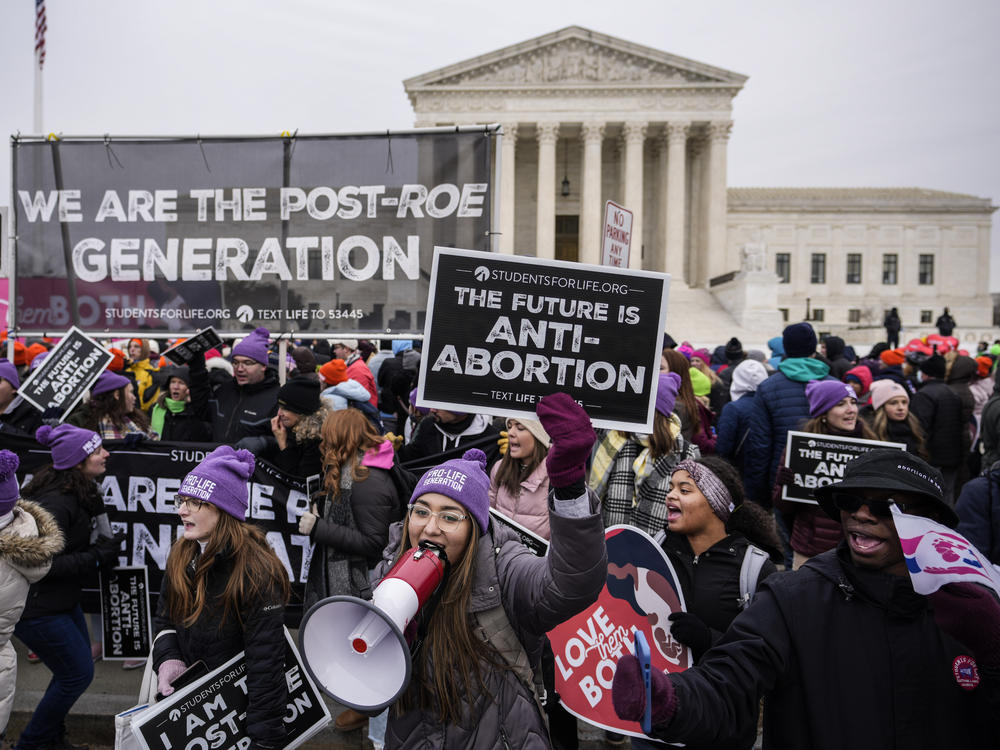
[[464, 480], [9, 372], [108, 381], [69, 445], [222, 479], [666, 392], [9, 490], [253, 346], [823, 395]]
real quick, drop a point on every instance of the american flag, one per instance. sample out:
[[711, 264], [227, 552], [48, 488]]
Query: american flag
[[40, 28]]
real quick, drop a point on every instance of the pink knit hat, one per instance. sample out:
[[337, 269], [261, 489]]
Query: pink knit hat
[[885, 389]]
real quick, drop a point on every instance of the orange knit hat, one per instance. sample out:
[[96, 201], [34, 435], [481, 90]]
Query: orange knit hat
[[892, 357], [334, 371]]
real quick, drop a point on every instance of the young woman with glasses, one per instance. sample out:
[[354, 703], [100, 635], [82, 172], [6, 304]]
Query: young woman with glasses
[[225, 591], [464, 693]]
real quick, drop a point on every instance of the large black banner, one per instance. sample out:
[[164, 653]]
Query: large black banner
[[139, 489], [297, 233], [504, 331]]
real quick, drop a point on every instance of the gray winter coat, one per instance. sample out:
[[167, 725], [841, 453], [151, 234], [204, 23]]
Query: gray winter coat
[[537, 593]]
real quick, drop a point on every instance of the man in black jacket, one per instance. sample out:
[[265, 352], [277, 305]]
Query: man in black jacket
[[237, 406], [846, 653], [939, 410]]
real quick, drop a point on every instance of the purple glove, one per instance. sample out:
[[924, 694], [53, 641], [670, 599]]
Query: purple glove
[[167, 673], [572, 438], [970, 614], [628, 694]]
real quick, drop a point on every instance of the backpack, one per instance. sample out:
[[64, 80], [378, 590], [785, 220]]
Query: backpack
[[369, 411], [404, 482]]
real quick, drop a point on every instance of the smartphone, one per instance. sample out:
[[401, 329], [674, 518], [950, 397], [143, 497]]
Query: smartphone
[[185, 678], [642, 654]]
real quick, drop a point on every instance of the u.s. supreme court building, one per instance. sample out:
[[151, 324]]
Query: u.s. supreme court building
[[588, 118]]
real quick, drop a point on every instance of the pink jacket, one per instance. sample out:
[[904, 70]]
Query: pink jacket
[[531, 507]]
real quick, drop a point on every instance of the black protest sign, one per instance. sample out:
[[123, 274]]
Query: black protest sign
[[211, 713], [66, 373], [186, 350], [503, 331], [817, 460], [529, 538], [311, 233], [125, 613]]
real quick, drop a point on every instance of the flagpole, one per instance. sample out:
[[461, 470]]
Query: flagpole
[[38, 99]]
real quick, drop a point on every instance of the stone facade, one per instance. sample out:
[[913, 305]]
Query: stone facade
[[855, 253], [588, 118]]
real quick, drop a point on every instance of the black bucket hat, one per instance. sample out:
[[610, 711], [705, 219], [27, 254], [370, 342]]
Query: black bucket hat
[[889, 469]]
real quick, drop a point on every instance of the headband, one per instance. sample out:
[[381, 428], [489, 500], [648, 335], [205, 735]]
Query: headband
[[719, 499]]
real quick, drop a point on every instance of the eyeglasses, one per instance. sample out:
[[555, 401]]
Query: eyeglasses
[[447, 520], [880, 508], [243, 363], [193, 504]]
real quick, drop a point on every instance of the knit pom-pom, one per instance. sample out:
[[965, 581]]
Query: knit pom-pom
[[476, 455], [8, 464], [247, 459], [262, 332], [43, 434]]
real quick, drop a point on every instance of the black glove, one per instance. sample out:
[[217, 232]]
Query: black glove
[[134, 438], [51, 416], [691, 631], [107, 549]]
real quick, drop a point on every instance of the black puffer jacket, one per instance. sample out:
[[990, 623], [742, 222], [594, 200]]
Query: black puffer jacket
[[259, 630], [183, 427], [61, 588], [232, 410], [940, 413], [847, 658]]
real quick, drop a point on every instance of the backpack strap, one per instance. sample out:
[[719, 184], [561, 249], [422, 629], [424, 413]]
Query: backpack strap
[[753, 561]]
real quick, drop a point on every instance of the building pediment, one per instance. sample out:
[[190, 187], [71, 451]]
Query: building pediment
[[572, 58]]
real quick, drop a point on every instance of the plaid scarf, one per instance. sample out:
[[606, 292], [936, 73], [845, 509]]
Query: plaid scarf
[[642, 504]]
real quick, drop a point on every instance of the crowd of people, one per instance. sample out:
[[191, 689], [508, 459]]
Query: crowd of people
[[825, 625]]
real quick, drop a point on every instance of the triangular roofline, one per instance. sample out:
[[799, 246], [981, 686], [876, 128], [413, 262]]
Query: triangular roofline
[[723, 77]]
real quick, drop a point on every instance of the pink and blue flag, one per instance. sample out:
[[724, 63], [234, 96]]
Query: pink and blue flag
[[936, 555]]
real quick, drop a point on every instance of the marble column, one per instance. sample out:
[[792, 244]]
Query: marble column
[[508, 192], [634, 136], [673, 210], [696, 212], [591, 209], [715, 188], [545, 228]]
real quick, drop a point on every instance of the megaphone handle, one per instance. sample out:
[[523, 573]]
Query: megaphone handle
[[642, 654]]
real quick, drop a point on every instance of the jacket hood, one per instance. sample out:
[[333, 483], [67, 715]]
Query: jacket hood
[[962, 369], [31, 540], [777, 346], [350, 389], [309, 427], [804, 369], [834, 347], [380, 457]]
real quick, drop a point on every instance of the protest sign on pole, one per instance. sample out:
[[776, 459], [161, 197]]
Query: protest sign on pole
[[299, 233], [616, 237], [66, 373], [211, 713], [817, 460], [503, 331], [186, 350], [640, 593], [125, 613]]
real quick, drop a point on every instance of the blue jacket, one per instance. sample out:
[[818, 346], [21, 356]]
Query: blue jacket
[[978, 509], [732, 430], [779, 406]]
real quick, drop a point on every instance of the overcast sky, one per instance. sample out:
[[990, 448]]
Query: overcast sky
[[848, 93]]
